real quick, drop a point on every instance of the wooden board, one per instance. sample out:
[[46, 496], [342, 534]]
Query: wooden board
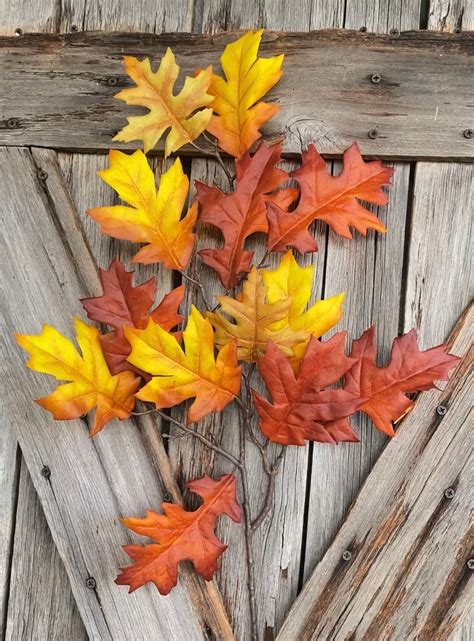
[[56, 99], [408, 541]]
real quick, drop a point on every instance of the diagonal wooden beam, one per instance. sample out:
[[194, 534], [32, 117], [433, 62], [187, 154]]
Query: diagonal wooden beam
[[403, 96], [398, 568]]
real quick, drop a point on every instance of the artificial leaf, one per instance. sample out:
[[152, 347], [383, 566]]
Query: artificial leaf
[[181, 536], [333, 199], [290, 281], [190, 373], [243, 212], [92, 384], [123, 305], [409, 370], [302, 408], [256, 321], [182, 114], [154, 217], [238, 117]]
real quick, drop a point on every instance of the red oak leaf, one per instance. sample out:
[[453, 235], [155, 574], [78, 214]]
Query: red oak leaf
[[181, 536], [409, 370], [302, 408], [124, 305], [333, 199], [243, 212]]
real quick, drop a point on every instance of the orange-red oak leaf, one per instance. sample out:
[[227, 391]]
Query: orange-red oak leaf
[[409, 370], [243, 212], [302, 409], [333, 199], [91, 383], [124, 305], [181, 536]]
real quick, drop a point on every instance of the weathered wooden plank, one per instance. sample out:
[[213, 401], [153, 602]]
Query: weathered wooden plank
[[36, 566], [86, 492], [22, 15], [451, 15], [382, 16], [407, 576], [56, 98]]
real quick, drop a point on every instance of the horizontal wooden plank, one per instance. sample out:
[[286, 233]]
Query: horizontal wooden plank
[[398, 569], [57, 90]]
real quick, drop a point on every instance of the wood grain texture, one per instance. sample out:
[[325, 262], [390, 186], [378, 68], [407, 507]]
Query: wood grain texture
[[407, 576], [423, 89], [41, 605], [97, 479], [451, 15]]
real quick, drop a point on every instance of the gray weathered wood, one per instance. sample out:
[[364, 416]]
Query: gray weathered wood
[[448, 15], [423, 89], [41, 605], [382, 16], [89, 490], [407, 577]]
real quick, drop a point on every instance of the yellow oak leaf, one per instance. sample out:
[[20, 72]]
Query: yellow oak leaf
[[182, 114], [182, 374], [154, 217], [237, 117], [257, 321], [92, 384], [290, 281]]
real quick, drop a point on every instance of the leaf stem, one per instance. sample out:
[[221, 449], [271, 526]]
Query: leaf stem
[[215, 152], [198, 283]]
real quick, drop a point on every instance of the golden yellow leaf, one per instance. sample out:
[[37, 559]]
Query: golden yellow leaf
[[182, 114], [190, 373], [154, 217], [237, 117], [92, 384]]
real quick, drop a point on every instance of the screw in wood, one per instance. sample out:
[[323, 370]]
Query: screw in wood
[[112, 81], [42, 174], [457, 30], [468, 133], [441, 410], [167, 497], [394, 32], [449, 493], [45, 472], [74, 28], [375, 78], [12, 123], [470, 564], [91, 583], [373, 134], [18, 32], [363, 29], [346, 555]]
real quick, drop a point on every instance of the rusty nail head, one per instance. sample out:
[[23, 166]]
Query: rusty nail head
[[46, 472], [363, 29], [373, 134], [91, 583], [375, 78], [42, 174], [394, 32], [12, 123], [112, 81], [449, 493], [470, 564], [441, 410], [18, 32], [346, 555], [468, 133]]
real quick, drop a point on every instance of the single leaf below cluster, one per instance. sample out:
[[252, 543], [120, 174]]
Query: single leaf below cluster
[[302, 408], [238, 117], [243, 212], [332, 199], [182, 374], [385, 388], [183, 114], [92, 384], [124, 305], [153, 217], [181, 536], [271, 308]]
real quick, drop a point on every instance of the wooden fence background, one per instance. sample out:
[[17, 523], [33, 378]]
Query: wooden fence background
[[415, 276]]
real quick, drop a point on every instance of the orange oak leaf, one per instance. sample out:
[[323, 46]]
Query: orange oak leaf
[[179, 374], [243, 212], [153, 217], [182, 114], [385, 388], [92, 384], [123, 305], [181, 536], [333, 199], [302, 409], [238, 114]]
